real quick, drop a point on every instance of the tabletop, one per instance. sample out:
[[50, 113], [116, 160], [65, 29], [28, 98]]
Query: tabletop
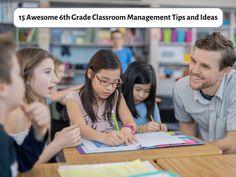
[[209, 166], [50, 170], [73, 156]]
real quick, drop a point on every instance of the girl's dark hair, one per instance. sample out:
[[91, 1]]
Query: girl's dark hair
[[139, 72], [102, 59]]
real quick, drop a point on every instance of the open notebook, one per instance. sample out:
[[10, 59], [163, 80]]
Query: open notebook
[[144, 141]]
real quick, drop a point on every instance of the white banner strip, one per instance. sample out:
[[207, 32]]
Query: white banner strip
[[118, 17]]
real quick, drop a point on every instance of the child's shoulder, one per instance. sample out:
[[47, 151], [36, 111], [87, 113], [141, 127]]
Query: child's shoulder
[[74, 95], [126, 49], [74, 92]]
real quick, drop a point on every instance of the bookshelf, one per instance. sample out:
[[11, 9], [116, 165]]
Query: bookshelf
[[75, 46], [27, 37], [64, 41], [23, 37], [174, 47]]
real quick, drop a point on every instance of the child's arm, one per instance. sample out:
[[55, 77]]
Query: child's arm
[[60, 95], [32, 146], [29, 151], [76, 117], [125, 114], [127, 119], [67, 137]]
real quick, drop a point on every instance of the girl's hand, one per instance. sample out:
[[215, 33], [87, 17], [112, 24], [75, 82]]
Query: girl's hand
[[153, 127], [39, 116], [113, 138], [68, 137], [129, 137], [163, 127]]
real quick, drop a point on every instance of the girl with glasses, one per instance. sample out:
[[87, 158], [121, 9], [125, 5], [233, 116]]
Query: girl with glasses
[[94, 106], [139, 90]]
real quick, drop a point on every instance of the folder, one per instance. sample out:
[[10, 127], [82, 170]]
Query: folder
[[135, 168]]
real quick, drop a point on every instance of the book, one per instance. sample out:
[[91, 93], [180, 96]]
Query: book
[[32, 35], [103, 36], [144, 141]]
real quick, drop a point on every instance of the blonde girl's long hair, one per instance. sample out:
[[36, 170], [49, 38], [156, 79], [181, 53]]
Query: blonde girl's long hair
[[29, 59]]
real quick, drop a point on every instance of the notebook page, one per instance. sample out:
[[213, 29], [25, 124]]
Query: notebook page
[[156, 138]]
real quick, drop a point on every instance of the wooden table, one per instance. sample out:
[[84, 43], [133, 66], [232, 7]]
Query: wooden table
[[73, 156], [50, 170], [43, 170], [209, 166]]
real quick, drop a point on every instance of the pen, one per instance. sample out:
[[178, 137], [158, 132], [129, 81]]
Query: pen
[[115, 121]]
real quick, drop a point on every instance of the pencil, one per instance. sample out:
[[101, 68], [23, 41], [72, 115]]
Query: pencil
[[153, 119], [115, 121]]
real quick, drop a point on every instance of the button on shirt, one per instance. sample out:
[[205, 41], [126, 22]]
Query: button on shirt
[[215, 117]]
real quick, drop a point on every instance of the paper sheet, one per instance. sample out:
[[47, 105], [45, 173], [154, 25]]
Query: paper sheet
[[148, 140], [106, 170]]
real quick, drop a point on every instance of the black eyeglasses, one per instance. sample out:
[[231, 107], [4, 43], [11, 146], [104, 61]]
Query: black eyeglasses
[[106, 83]]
